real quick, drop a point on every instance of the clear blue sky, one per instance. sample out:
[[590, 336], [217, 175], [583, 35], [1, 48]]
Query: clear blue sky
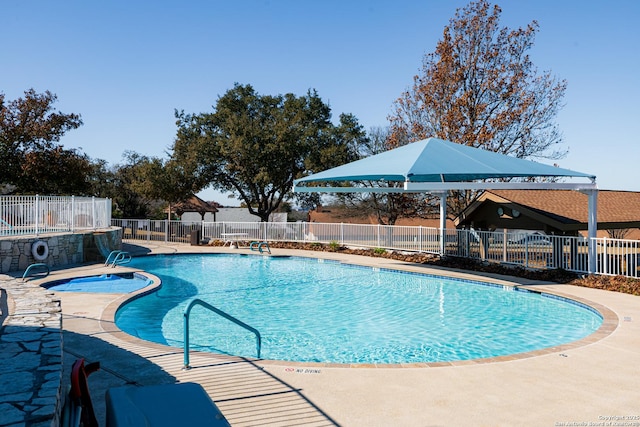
[[126, 65]]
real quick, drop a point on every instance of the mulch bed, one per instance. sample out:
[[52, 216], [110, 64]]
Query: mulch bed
[[609, 283]]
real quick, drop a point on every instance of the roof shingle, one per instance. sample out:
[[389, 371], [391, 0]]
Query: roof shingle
[[613, 206]]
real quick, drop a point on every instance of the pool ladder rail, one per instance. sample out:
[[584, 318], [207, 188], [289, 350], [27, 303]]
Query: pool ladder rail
[[187, 312], [260, 246], [33, 267], [117, 258]]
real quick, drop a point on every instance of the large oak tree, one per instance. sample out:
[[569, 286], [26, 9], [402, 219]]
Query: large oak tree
[[254, 146]]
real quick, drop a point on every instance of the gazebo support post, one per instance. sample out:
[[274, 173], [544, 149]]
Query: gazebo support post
[[443, 219], [592, 228]]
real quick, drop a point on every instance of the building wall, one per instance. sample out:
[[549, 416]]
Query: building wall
[[230, 215]]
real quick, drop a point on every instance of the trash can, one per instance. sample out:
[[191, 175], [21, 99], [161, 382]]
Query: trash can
[[196, 236]]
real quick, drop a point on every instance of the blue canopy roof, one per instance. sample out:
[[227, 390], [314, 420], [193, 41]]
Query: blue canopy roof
[[436, 160], [435, 165]]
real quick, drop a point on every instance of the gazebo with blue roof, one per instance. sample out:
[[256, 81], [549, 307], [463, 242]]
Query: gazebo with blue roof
[[437, 166]]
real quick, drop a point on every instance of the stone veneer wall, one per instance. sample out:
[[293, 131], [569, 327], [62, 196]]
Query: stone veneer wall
[[64, 249], [31, 355]]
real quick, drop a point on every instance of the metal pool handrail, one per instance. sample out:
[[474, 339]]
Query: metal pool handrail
[[258, 246], [117, 257], [32, 266], [187, 312]]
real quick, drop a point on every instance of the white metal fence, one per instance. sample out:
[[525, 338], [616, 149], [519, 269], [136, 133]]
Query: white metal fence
[[51, 214], [529, 250], [618, 257]]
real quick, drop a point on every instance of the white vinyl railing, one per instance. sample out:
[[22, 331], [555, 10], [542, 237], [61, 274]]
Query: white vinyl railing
[[52, 214], [618, 257], [529, 250]]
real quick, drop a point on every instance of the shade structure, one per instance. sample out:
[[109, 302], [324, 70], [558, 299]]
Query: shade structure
[[437, 161], [192, 204], [437, 166]]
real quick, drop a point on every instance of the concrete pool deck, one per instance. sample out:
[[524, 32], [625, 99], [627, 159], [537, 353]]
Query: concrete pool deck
[[590, 381]]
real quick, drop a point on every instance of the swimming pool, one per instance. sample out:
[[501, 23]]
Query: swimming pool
[[311, 310], [105, 283]]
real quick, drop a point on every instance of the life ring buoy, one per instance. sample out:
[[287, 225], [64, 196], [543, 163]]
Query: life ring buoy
[[40, 250]]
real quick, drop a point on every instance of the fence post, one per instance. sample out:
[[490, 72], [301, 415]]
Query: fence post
[[37, 213], [93, 211], [108, 211], [605, 256], [73, 213], [504, 245]]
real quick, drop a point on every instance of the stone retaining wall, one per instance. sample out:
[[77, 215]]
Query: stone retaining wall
[[64, 249]]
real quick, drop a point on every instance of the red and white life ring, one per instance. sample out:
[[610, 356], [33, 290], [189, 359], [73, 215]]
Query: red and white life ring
[[40, 250]]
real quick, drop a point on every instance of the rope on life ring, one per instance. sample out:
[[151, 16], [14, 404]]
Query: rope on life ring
[[40, 250]]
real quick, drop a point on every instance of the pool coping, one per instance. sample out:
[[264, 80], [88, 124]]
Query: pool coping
[[610, 320]]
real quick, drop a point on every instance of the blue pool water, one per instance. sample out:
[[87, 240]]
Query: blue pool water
[[106, 283], [312, 310]]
